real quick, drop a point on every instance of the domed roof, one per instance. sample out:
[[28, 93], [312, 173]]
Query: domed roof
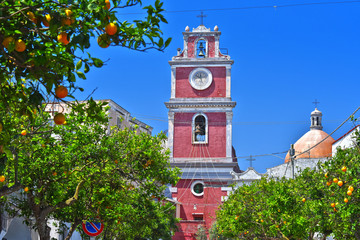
[[311, 138], [316, 112]]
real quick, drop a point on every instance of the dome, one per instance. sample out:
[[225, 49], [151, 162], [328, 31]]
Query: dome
[[316, 112], [310, 139]]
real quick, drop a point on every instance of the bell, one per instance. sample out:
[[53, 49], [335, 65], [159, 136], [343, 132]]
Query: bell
[[199, 130], [201, 48], [201, 53]]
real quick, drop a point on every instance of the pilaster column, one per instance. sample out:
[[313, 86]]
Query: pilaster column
[[229, 116], [170, 143]]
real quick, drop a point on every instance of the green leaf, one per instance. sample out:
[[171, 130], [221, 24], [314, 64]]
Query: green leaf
[[81, 75], [92, 6], [79, 64], [86, 68], [97, 62], [168, 42]]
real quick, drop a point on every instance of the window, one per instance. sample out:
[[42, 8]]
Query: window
[[199, 218], [197, 188], [199, 129], [201, 48], [119, 120]]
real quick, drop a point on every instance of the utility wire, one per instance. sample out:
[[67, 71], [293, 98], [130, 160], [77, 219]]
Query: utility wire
[[253, 7]]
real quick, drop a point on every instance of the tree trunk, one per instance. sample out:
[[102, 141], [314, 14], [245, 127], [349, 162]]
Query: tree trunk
[[43, 229], [72, 229]]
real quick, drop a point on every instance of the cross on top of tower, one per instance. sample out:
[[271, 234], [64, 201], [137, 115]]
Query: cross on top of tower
[[251, 159], [201, 16], [316, 103]]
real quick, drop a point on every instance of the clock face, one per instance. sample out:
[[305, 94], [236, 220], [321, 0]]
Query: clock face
[[200, 78]]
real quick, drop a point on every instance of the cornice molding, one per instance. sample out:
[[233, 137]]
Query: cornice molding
[[195, 104]]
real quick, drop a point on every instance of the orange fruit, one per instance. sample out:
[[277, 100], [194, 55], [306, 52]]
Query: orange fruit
[[351, 188], [340, 183], [335, 210], [61, 91], [23, 132], [26, 189], [107, 7], [303, 200], [335, 180], [68, 12], [66, 21], [349, 193], [236, 218], [59, 119], [326, 175], [328, 183], [346, 200], [46, 20], [103, 41], [32, 17], [20, 45], [6, 42], [332, 205], [344, 168], [54, 174], [111, 29], [2, 178], [63, 38], [116, 161]]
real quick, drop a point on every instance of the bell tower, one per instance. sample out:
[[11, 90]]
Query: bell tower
[[200, 128]]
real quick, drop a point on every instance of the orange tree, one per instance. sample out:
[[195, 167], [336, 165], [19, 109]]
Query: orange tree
[[341, 180], [276, 209], [45, 44], [83, 171]]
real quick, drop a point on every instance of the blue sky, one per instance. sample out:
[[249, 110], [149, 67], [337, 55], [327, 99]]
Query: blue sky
[[285, 58]]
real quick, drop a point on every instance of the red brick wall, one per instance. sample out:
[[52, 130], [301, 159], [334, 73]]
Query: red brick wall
[[207, 204], [216, 89], [216, 146], [191, 46]]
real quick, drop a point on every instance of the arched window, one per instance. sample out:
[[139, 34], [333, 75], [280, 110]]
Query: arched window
[[200, 129], [201, 48]]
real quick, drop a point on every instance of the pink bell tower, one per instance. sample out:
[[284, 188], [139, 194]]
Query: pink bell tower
[[200, 129]]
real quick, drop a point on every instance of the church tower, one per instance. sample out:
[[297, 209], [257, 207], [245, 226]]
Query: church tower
[[200, 129]]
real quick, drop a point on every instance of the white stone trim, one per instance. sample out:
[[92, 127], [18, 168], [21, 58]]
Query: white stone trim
[[224, 198], [228, 81], [173, 82], [229, 116], [206, 128], [170, 141], [173, 189], [226, 189], [199, 62], [191, 110]]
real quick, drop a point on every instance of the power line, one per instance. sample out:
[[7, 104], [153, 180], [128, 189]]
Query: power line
[[253, 7]]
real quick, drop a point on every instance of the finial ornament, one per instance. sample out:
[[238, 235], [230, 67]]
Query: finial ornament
[[187, 29], [216, 28]]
